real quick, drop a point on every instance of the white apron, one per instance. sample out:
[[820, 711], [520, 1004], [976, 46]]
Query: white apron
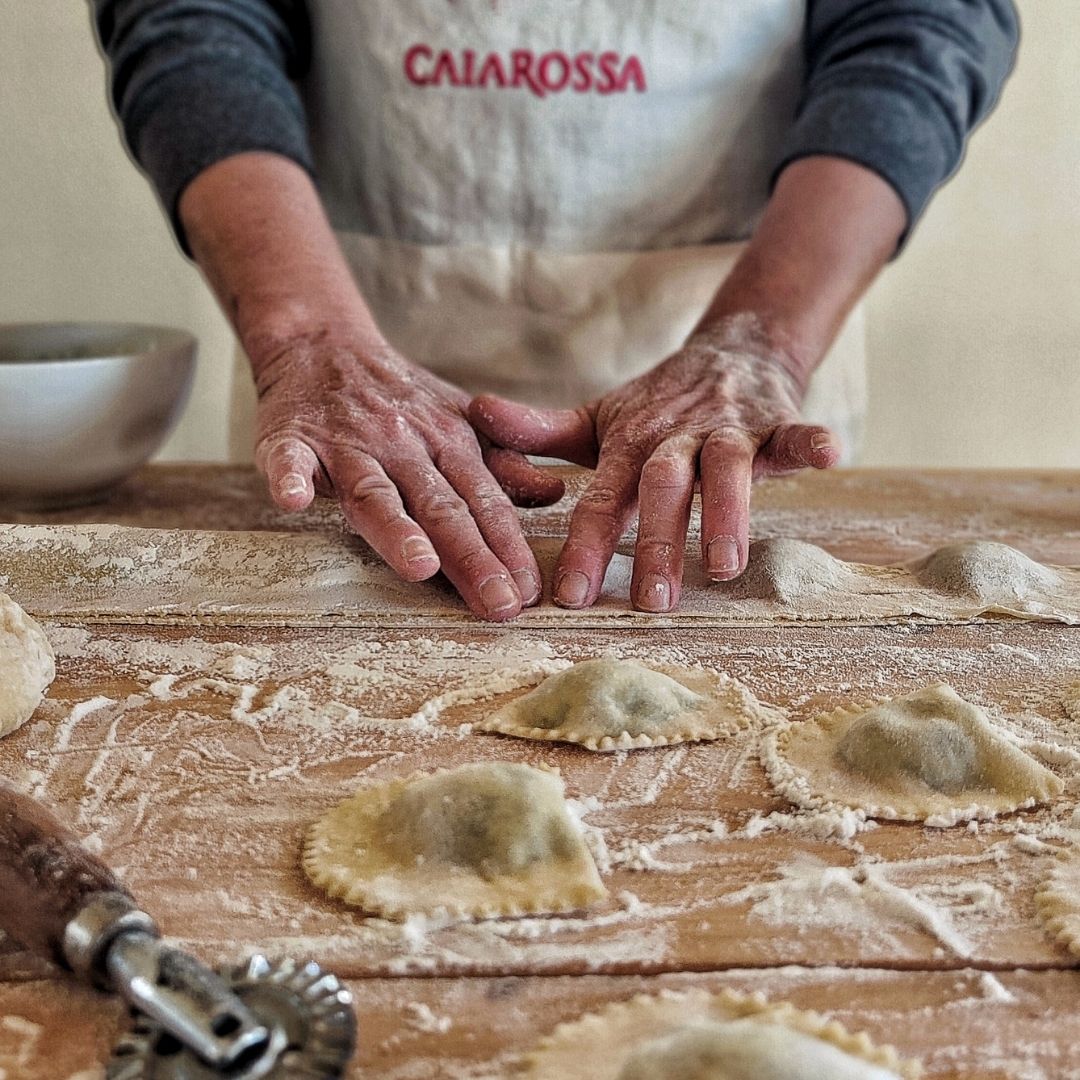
[[540, 199]]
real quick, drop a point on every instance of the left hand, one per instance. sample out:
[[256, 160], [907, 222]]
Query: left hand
[[723, 410]]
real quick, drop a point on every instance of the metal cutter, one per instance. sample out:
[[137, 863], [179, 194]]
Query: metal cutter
[[262, 1020]]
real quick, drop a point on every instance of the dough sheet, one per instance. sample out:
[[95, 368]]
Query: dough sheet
[[111, 571]]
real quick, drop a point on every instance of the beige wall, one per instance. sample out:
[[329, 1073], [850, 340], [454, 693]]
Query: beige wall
[[81, 235], [975, 332]]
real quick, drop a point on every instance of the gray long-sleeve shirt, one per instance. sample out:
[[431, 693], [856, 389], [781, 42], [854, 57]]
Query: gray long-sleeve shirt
[[895, 85]]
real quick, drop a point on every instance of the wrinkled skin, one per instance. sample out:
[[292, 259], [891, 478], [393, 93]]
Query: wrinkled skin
[[722, 411], [394, 445]]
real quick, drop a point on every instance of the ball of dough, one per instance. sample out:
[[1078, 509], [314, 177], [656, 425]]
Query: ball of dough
[[493, 819], [27, 665]]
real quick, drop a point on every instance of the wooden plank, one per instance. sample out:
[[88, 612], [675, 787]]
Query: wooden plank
[[215, 748], [203, 756], [963, 1025]]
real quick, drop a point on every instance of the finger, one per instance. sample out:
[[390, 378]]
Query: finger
[[374, 510], [290, 467], [597, 523], [523, 482], [726, 468], [665, 494], [798, 446], [484, 583], [495, 517], [569, 434]]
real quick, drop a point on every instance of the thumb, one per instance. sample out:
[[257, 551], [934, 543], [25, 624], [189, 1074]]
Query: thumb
[[569, 434], [292, 470], [798, 446]]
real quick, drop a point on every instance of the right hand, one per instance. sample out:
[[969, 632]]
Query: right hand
[[392, 443]]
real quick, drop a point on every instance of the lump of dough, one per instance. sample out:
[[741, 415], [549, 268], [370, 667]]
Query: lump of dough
[[608, 704], [985, 571], [27, 665], [785, 570], [486, 839], [745, 1050], [928, 755], [698, 1035]]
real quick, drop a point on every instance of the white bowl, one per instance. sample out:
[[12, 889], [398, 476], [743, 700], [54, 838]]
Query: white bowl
[[83, 405]]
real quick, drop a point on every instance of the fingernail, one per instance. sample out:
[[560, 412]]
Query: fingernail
[[572, 590], [292, 484], [417, 549], [528, 586], [654, 593], [721, 556], [820, 440], [498, 596]]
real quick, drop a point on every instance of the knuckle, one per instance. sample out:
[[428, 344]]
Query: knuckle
[[600, 499], [441, 508], [657, 550], [370, 489], [474, 561], [488, 500], [730, 442], [665, 472]]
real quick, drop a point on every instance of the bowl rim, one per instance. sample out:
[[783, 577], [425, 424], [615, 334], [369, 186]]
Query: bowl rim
[[168, 338]]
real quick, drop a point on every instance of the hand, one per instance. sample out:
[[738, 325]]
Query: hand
[[724, 409], [393, 444]]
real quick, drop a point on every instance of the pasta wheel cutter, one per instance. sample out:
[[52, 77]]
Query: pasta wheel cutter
[[261, 1020]]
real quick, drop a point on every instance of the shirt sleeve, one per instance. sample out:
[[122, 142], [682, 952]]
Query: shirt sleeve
[[196, 81], [898, 85]]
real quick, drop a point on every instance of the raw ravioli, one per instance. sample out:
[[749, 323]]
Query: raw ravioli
[[703, 1036], [480, 840], [1058, 901], [609, 704], [926, 756]]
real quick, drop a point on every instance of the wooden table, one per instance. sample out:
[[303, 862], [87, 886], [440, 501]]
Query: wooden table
[[194, 755]]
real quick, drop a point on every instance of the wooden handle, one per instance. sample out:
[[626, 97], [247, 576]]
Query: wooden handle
[[46, 877]]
